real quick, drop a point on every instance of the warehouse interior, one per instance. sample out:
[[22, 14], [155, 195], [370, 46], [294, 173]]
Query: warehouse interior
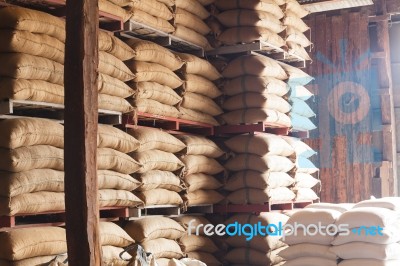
[[199, 132]]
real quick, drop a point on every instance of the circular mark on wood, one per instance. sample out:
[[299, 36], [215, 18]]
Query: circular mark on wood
[[349, 103]]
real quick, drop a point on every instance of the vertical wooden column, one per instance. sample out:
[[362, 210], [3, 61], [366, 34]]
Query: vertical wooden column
[[81, 118], [389, 183]]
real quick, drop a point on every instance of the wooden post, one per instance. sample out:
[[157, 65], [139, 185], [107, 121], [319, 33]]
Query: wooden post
[[81, 121]]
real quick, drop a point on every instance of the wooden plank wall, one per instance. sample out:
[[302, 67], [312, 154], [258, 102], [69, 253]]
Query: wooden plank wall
[[343, 89]]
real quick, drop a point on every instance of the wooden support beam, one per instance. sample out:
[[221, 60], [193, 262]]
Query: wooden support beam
[[81, 121]]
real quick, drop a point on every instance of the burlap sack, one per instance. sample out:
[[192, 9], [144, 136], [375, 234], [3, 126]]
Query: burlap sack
[[203, 197], [169, 3], [31, 157], [151, 21], [122, 3], [391, 203], [300, 107], [369, 262], [156, 108], [195, 116], [115, 46], [157, 160], [256, 115], [265, 218], [32, 242], [296, 49], [254, 179], [256, 100], [301, 123], [33, 90], [265, 5], [273, 163], [185, 262], [200, 103], [154, 72], [259, 196], [154, 8], [256, 65], [114, 138], [260, 144], [16, 41], [199, 66], [24, 19], [147, 51], [304, 180], [190, 21], [300, 148], [113, 103], [206, 2], [159, 179], [299, 92], [197, 243], [313, 238], [291, 20], [163, 248], [110, 8], [113, 235], [114, 180], [24, 66], [207, 258], [249, 83], [156, 139], [112, 66], [54, 260], [32, 203], [305, 194], [200, 85], [150, 228], [194, 220], [201, 181], [296, 75], [244, 34], [109, 159], [201, 164], [111, 256], [118, 198], [358, 250], [160, 196], [14, 184], [259, 243], [253, 257], [341, 207], [313, 261], [114, 87], [19, 132], [304, 165], [295, 8], [193, 7], [296, 36], [307, 250], [199, 145], [157, 92], [253, 18], [191, 36]]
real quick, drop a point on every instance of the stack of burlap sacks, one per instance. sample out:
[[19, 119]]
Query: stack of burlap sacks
[[296, 40], [48, 246], [157, 235], [256, 88], [368, 246], [155, 81], [199, 90], [260, 250], [161, 169], [32, 165], [260, 169], [199, 247], [200, 162], [313, 248], [248, 21], [300, 113], [189, 24], [33, 50], [304, 171]]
